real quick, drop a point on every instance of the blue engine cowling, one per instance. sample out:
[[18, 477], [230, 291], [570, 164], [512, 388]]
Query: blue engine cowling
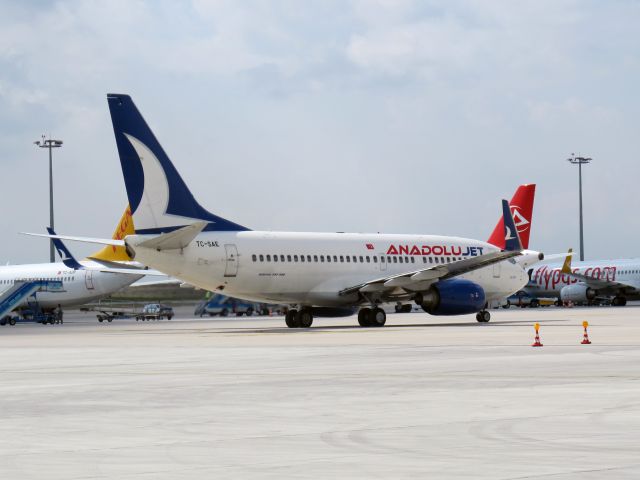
[[453, 297]]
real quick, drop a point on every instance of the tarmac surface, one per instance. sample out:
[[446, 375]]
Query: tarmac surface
[[423, 397]]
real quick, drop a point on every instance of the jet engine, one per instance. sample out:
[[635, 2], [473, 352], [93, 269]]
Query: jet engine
[[452, 297], [577, 293], [528, 258]]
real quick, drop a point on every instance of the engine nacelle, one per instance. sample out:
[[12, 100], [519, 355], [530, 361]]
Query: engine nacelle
[[577, 293], [528, 258], [452, 297]]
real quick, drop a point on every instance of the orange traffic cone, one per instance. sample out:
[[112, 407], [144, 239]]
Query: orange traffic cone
[[585, 337], [536, 342]]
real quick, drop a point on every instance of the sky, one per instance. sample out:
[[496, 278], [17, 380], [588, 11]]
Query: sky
[[359, 116]]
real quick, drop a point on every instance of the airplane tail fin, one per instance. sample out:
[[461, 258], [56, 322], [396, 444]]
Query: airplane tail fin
[[159, 199], [67, 258], [112, 253], [521, 206], [510, 232], [566, 266]]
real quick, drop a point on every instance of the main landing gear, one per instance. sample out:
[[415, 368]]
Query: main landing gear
[[483, 316], [372, 317], [302, 318], [619, 301]]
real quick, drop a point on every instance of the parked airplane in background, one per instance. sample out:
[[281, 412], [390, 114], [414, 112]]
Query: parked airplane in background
[[174, 234], [82, 282], [586, 282]]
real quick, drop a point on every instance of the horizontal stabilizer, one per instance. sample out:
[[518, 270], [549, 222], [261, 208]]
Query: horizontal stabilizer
[[126, 268], [176, 239], [100, 241]]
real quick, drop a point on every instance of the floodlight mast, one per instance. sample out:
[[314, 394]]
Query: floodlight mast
[[580, 161], [50, 144]]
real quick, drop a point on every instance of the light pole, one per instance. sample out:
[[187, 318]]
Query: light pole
[[580, 161], [50, 144]]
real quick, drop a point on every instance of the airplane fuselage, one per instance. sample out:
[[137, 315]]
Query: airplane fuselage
[[78, 286], [548, 280], [313, 268]]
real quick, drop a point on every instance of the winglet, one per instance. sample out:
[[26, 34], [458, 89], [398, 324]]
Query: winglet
[[67, 258], [511, 238], [566, 266]]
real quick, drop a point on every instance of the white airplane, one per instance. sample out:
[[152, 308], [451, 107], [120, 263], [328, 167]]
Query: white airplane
[[74, 283], [586, 282], [316, 273]]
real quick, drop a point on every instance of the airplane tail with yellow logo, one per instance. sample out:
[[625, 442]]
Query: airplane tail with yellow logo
[[112, 253]]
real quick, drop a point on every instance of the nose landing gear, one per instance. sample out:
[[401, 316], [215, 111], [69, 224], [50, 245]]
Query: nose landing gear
[[483, 316]]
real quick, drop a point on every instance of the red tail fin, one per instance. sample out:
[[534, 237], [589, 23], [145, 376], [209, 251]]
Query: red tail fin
[[522, 209]]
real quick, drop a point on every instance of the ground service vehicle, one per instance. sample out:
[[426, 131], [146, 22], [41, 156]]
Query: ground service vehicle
[[155, 311]]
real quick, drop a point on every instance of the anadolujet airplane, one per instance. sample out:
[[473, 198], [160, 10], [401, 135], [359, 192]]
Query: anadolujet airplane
[[321, 274]]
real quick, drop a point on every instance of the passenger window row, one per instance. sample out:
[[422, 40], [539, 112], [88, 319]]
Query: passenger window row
[[64, 279], [348, 259]]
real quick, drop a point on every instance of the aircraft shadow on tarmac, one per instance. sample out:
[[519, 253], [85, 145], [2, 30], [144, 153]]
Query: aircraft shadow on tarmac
[[387, 326]]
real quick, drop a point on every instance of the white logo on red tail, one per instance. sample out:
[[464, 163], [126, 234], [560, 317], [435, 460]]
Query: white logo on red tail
[[520, 221]]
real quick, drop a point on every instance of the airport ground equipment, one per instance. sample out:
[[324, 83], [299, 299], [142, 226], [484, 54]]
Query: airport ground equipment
[[403, 307], [23, 289], [109, 316], [222, 305], [155, 311]]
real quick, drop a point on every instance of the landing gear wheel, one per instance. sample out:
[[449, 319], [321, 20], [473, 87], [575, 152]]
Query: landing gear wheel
[[291, 319], [619, 301], [484, 316], [363, 317], [304, 318], [377, 317], [12, 321]]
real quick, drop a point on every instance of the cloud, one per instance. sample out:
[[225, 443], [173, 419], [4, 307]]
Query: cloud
[[397, 116]]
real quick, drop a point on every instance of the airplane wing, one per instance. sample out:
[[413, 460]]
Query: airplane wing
[[421, 279], [417, 280], [593, 282]]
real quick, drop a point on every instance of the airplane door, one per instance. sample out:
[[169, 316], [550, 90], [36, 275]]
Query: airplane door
[[231, 268], [383, 264], [496, 270], [88, 279]]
